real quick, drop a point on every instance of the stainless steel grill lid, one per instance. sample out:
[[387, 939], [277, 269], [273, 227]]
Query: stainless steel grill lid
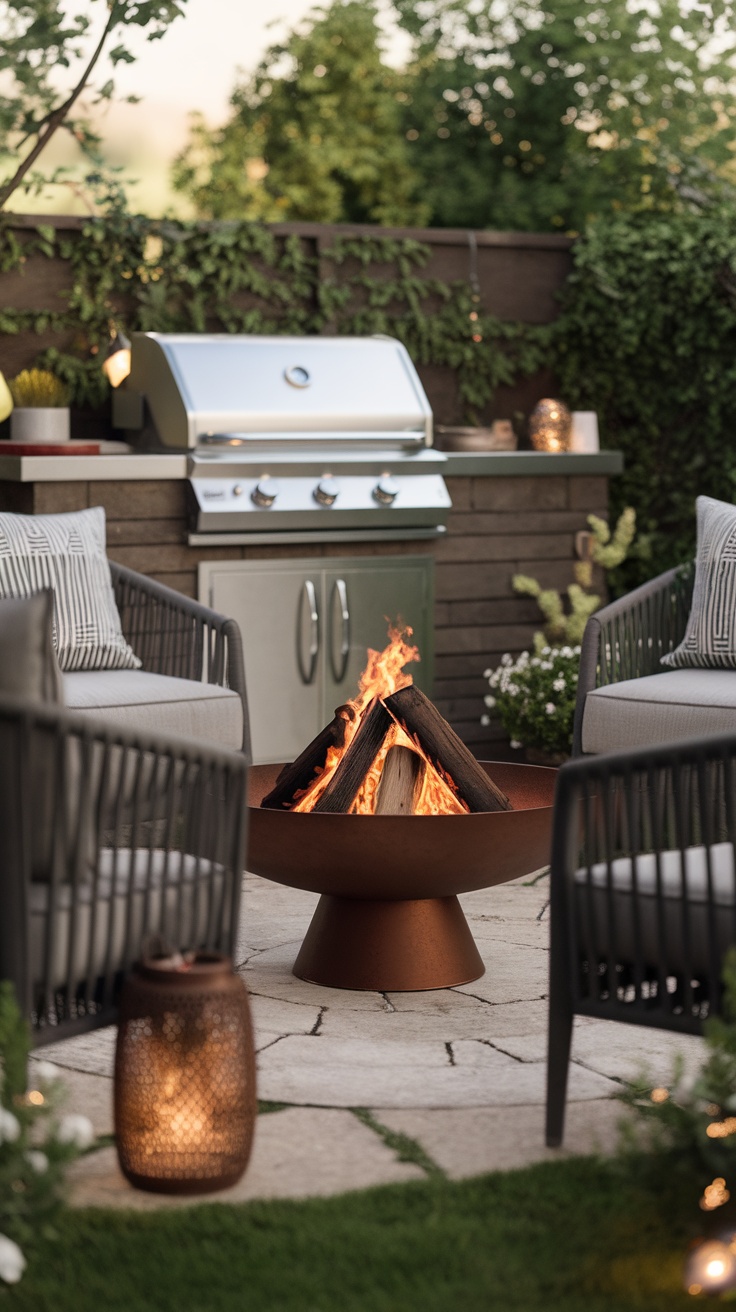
[[309, 435], [331, 389]]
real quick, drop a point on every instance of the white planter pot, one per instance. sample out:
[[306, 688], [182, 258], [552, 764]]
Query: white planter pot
[[40, 424]]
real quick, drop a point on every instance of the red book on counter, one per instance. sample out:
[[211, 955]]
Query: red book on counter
[[49, 448]]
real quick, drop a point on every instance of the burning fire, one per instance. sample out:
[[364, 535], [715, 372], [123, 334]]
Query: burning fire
[[383, 675]]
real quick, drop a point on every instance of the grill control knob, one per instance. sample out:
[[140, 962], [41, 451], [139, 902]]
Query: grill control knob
[[237, 490], [386, 490], [265, 492], [327, 491]]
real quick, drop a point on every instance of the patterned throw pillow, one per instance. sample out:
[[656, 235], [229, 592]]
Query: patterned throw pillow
[[710, 636], [67, 554]]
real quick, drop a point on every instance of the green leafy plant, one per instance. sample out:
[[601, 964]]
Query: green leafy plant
[[647, 338], [689, 1127], [41, 38], [607, 550], [534, 698], [242, 277], [38, 388], [36, 1144]]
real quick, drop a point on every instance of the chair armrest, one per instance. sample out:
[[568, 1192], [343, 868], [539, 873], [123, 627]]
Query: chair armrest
[[628, 638], [171, 634]]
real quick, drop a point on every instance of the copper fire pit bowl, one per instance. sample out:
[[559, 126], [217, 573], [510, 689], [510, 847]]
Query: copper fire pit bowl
[[388, 918]]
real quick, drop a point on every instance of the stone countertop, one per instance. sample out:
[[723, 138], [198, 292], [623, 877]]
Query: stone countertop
[[467, 464], [118, 462]]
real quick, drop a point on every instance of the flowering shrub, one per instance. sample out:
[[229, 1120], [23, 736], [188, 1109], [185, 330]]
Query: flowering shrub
[[534, 698], [36, 1143]]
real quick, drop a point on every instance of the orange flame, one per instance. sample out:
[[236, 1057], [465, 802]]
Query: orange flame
[[383, 675]]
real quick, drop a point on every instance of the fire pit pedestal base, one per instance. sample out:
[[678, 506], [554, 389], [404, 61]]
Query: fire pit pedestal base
[[388, 918], [388, 946]]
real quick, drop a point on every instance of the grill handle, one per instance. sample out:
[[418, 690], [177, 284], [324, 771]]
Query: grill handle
[[308, 593], [340, 594]]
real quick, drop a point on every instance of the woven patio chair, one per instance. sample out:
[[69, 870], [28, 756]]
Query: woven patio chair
[[628, 638], [643, 902], [175, 636], [108, 836]]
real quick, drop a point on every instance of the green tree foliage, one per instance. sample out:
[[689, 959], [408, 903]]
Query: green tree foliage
[[542, 116], [510, 116], [40, 37], [315, 133], [647, 337]]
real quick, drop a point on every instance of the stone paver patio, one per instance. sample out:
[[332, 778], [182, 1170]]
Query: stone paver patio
[[461, 1071]]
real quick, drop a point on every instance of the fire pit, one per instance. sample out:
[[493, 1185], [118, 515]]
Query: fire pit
[[388, 816], [388, 918]]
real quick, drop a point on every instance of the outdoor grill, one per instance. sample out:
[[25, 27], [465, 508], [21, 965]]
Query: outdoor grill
[[299, 436]]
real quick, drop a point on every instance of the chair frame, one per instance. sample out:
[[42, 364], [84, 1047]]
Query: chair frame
[[628, 638], [148, 794], [671, 798], [174, 635]]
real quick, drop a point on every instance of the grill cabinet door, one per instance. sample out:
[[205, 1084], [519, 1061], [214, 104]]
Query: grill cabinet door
[[306, 627], [278, 608], [360, 601]]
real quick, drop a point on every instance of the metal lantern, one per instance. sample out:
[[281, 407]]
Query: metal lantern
[[550, 426], [185, 1079]]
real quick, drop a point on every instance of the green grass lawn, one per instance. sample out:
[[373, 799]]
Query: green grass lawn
[[579, 1235]]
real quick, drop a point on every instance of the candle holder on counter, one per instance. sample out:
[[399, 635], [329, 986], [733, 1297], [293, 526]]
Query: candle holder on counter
[[550, 426], [185, 1079]]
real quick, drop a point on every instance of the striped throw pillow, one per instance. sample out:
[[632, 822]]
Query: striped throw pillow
[[710, 636], [67, 554]]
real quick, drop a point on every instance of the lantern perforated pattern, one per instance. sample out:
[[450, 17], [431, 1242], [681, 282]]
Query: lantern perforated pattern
[[185, 1095]]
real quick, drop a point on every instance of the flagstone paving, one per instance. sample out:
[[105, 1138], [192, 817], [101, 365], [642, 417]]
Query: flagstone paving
[[460, 1072]]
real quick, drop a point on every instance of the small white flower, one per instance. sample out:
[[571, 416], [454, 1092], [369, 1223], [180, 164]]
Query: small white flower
[[546, 651], [566, 651], [489, 701], [512, 690], [9, 1126], [75, 1129], [550, 708], [536, 662], [514, 743], [485, 719], [487, 673], [558, 684], [506, 659], [46, 1072], [37, 1161], [12, 1261], [546, 665]]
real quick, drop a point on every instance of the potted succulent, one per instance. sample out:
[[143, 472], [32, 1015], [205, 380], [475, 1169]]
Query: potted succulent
[[40, 407]]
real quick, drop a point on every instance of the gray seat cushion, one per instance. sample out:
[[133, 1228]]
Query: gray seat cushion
[[138, 699], [659, 708], [606, 912], [174, 894]]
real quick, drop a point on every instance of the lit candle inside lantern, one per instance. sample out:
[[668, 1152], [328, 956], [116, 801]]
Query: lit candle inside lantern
[[184, 1078]]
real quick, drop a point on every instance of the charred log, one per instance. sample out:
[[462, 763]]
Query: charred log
[[448, 754], [296, 777], [344, 785]]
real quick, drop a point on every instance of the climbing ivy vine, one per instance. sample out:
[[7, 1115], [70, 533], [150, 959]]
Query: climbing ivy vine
[[241, 277], [647, 337]]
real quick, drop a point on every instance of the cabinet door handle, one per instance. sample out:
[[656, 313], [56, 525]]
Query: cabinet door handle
[[340, 592], [308, 593]]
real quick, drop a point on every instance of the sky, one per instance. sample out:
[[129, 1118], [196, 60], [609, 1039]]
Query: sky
[[193, 67]]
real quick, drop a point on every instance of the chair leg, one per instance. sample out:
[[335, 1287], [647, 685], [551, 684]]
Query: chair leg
[[558, 1060]]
